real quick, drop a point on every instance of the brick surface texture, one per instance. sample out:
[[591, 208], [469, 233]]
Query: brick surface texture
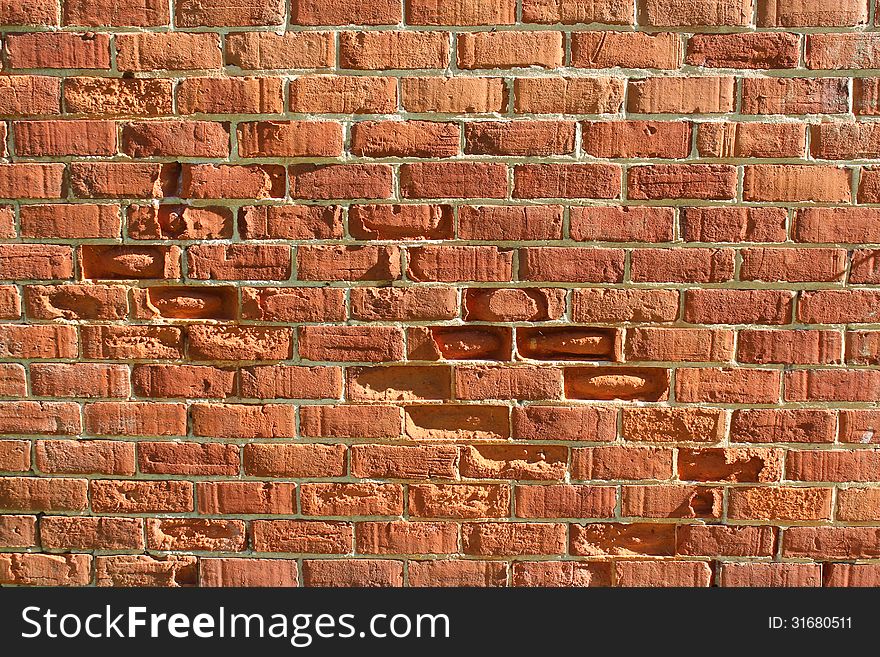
[[440, 292]]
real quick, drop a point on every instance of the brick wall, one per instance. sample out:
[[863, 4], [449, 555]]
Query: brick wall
[[487, 292]]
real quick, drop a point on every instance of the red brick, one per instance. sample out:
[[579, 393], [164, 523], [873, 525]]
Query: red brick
[[470, 573], [751, 139], [453, 95], [519, 138], [514, 304], [337, 94], [671, 501], [247, 572], [72, 533], [243, 421], [406, 537], [576, 11], [674, 344], [636, 139], [738, 306], [340, 181], [404, 462], [187, 534], [459, 263], [175, 138], [774, 13], [725, 541], [561, 573], [135, 419], [513, 539], [351, 421], [310, 536], [85, 457], [291, 222], [795, 96], [770, 574], [726, 224], [613, 462], [142, 570], [554, 95], [262, 50], [671, 181], [738, 386], [188, 458], [173, 51], [789, 347], [708, 12], [127, 496], [357, 12], [359, 499], [681, 95], [565, 501], [28, 569], [460, 12], [291, 460], [779, 503], [355, 344], [352, 573], [117, 96], [246, 497], [453, 180], [828, 543], [673, 425], [116, 13], [619, 539], [783, 426], [662, 50], [682, 265], [198, 13], [391, 50], [566, 181], [635, 383], [459, 500], [769, 50]]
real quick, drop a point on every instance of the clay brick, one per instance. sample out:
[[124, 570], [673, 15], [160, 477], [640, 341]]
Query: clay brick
[[773, 13], [671, 502], [662, 573], [697, 181], [514, 304], [672, 344], [135, 419], [552, 95], [770, 574], [803, 347], [357, 12], [350, 343], [351, 421], [175, 138], [290, 460], [673, 425], [404, 462], [682, 265], [18, 531], [680, 95], [622, 539], [60, 138], [783, 426], [779, 503], [243, 421], [470, 573], [352, 573], [456, 422], [173, 51], [468, 501], [738, 306], [197, 13], [725, 541], [71, 533], [581, 264], [460, 12], [827, 543], [403, 537], [636, 139], [453, 95], [777, 50], [245, 497], [561, 573], [513, 539], [601, 383], [304, 304], [508, 49], [613, 462], [565, 501], [507, 383], [59, 50], [29, 569], [118, 96], [795, 96], [188, 458], [519, 138], [289, 382], [576, 11], [142, 570], [69, 221], [400, 222], [126, 496], [393, 50], [131, 342], [186, 534], [262, 50], [34, 494], [404, 304], [247, 572], [661, 50], [751, 139], [459, 263], [360, 499], [453, 179], [533, 463], [292, 222], [690, 12], [337, 94], [726, 224], [238, 343]]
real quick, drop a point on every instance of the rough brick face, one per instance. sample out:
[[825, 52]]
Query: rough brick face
[[439, 292]]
